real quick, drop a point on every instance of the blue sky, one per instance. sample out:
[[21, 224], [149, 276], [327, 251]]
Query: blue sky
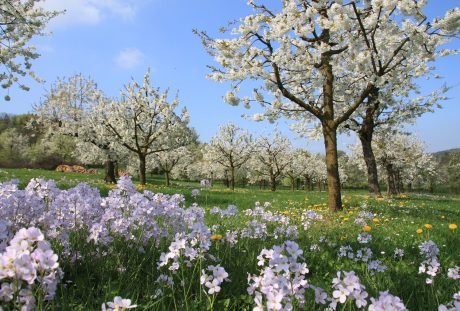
[[113, 41]]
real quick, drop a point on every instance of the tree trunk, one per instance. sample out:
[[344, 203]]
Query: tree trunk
[[390, 179], [226, 182], [167, 179], [431, 186], [332, 164], [399, 182], [330, 130], [115, 164], [142, 178], [110, 172], [232, 177], [272, 183], [372, 175]]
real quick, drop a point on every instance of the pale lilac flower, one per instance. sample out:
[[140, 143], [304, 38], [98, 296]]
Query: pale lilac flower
[[195, 193], [398, 253], [385, 302], [454, 273], [205, 183], [118, 304], [215, 279], [320, 296], [364, 238], [376, 266]]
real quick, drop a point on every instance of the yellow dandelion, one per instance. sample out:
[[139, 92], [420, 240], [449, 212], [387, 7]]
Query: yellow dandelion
[[216, 237], [452, 226], [285, 212], [428, 226], [375, 220], [367, 228], [419, 231]]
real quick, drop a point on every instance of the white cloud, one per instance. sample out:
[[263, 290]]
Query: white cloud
[[89, 12], [129, 58], [123, 9]]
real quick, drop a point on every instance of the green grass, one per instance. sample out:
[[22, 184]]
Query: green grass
[[219, 195], [124, 271]]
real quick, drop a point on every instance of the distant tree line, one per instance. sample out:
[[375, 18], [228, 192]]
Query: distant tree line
[[235, 159], [25, 144]]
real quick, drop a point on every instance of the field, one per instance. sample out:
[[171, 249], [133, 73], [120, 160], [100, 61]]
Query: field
[[165, 254]]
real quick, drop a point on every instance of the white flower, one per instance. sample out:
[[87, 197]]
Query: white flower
[[118, 304], [274, 301], [213, 286]]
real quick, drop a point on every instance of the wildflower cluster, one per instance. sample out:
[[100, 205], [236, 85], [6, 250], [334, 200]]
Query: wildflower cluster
[[454, 305], [362, 254], [28, 268], [230, 211], [386, 301], [213, 280], [282, 280], [348, 288], [186, 248], [431, 265]]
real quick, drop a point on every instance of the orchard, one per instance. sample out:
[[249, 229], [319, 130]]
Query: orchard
[[120, 193]]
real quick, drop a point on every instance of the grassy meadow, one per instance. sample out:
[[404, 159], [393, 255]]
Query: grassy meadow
[[97, 273]]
